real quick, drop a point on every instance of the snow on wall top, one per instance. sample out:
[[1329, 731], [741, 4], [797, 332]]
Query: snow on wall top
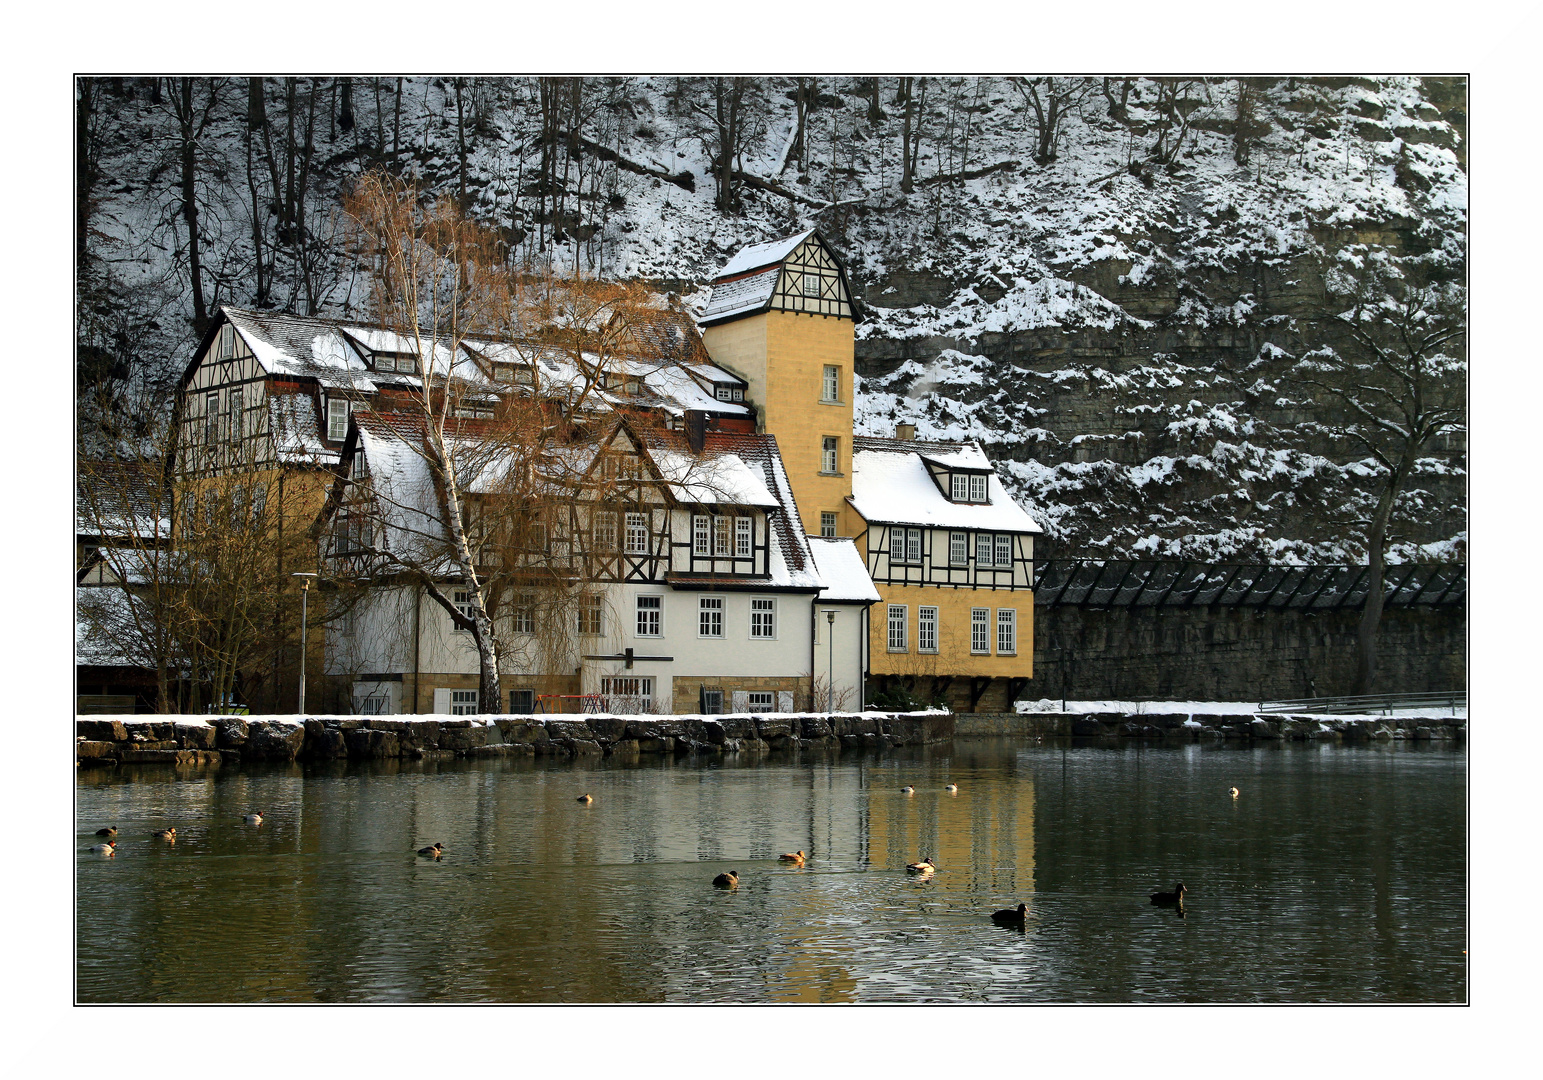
[[891, 484], [842, 570], [758, 255]]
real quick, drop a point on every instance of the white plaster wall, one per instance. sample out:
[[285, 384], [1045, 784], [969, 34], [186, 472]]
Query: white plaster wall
[[839, 647]]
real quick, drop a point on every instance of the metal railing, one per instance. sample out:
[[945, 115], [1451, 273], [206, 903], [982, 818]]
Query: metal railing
[[1371, 703]]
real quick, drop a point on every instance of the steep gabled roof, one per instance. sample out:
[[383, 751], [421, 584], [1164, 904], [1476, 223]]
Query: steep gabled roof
[[747, 284], [891, 484]]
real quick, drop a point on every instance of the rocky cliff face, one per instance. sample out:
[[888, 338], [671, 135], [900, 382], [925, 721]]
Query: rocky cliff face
[[1115, 323]]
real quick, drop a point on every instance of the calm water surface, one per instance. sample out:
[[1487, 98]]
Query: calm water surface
[[1338, 875]]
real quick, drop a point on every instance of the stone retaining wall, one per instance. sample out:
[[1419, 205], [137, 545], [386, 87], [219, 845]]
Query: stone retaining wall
[[1193, 727], [230, 740]]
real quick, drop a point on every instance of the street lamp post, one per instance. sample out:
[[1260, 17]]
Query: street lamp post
[[830, 659], [305, 593]]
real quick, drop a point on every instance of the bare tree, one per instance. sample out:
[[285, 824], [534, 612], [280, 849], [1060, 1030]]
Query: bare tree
[[1051, 100], [1394, 359], [913, 95], [730, 124], [192, 122]]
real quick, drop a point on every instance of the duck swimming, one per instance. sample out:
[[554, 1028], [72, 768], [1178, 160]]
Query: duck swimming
[[1168, 899], [433, 852], [586, 798], [908, 790], [793, 857], [165, 834], [104, 849], [1233, 792], [111, 830], [254, 818], [1010, 916], [727, 880], [952, 789], [923, 867]]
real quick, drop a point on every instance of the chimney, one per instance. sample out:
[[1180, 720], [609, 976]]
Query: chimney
[[905, 432], [696, 429]]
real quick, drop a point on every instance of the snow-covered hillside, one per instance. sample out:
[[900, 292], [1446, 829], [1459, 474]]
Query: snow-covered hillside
[[1115, 324]]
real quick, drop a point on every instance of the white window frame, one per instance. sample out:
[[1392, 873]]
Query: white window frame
[[763, 618], [522, 618], [830, 385], [958, 549], [637, 689], [650, 616], [1007, 631], [211, 417], [605, 536], [723, 539], [591, 614], [225, 348], [896, 617], [701, 535], [337, 418], [235, 428], [977, 487], [463, 702], [709, 617], [723, 393], [809, 285], [827, 523], [926, 629], [744, 538], [637, 533], [1004, 549], [461, 598], [980, 631], [985, 549], [830, 454], [913, 546], [959, 487], [762, 700]]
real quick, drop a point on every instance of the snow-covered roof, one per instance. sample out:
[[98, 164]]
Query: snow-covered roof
[[891, 484], [296, 430], [758, 255], [712, 478], [120, 498], [841, 568], [741, 295]]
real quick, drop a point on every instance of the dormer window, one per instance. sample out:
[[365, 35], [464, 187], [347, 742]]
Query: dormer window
[[405, 363], [518, 374], [968, 487], [728, 393], [337, 418]]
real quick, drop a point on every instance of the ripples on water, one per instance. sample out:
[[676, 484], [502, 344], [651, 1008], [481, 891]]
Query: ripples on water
[[1338, 875]]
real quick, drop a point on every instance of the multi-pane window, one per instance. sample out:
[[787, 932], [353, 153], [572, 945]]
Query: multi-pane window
[[830, 390], [985, 550], [628, 693], [905, 545], [522, 701], [959, 485], [605, 531], [762, 701], [744, 539], [723, 393], [474, 412], [958, 549], [237, 426], [524, 614], [337, 418], [709, 616], [590, 614], [211, 418], [1004, 549], [977, 487], [980, 630], [650, 616], [721, 527], [829, 460], [227, 343], [926, 629], [763, 617], [712, 700], [462, 600], [1007, 630], [637, 534], [897, 627], [700, 535], [463, 703], [827, 523]]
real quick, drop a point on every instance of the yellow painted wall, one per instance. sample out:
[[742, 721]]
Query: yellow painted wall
[[782, 355], [953, 656]]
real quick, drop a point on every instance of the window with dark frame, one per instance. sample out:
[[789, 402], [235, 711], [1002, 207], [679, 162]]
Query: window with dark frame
[[650, 610]]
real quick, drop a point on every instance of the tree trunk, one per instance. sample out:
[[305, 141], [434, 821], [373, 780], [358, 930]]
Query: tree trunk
[[188, 160], [85, 171], [396, 121], [287, 217], [346, 109], [1371, 612], [254, 122], [460, 141]]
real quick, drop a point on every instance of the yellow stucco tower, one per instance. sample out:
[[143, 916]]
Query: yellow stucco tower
[[781, 318]]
